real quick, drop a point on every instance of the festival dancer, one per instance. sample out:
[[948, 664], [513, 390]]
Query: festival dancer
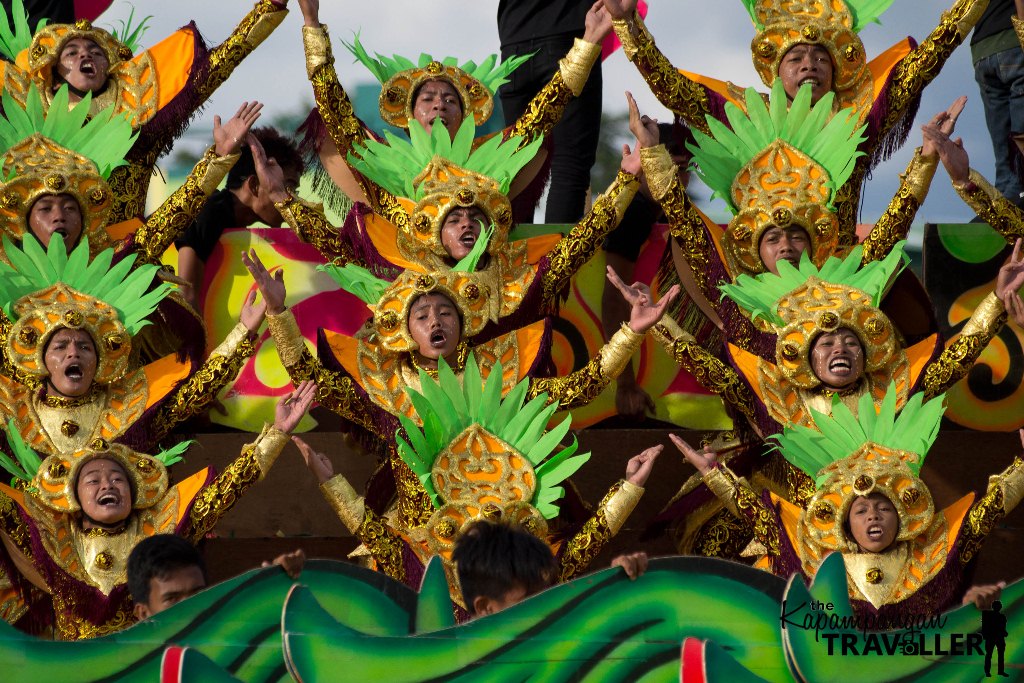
[[419, 319], [159, 88], [481, 456], [903, 557], [69, 526]]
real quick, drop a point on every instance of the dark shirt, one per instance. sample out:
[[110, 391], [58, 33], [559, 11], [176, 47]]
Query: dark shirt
[[628, 238], [204, 233], [522, 20], [995, 19]]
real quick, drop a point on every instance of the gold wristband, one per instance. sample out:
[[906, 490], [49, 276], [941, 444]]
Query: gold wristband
[[317, 45], [267, 447], [621, 504], [216, 168], [632, 33], [723, 486], [264, 26], [287, 338], [919, 174], [349, 505], [667, 332], [659, 169], [576, 65], [235, 337], [984, 316], [618, 351]]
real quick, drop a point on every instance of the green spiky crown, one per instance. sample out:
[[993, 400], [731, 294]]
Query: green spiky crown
[[840, 434], [830, 141], [447, 408], [491, 74], [864, 12], [120, 287], [396, 164], [129, 34], [15, 33], [104, 139], [360, 282], [760, 294]]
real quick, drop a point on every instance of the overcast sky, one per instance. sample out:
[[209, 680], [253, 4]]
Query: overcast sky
[[695, 35]]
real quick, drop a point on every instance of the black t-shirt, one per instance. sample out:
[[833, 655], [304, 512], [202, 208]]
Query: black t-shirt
[[628, 238], [996, 19], [216, 216], [521, 20], [57, 11]]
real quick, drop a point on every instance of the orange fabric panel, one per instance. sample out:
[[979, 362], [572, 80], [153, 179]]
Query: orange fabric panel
[[884, 63], [538, 247], [344, 349], [162, 376], [173, 57], [790, 516], [384, 236], [955, 514], [720, 87], [188, 489], [14, 494], [119, 231], [918, 356], [746, 362], [529, 339]]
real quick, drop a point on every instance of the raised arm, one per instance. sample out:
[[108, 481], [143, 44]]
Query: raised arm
[[685, 97], [216, 499], [609, 517], [1004, 493]]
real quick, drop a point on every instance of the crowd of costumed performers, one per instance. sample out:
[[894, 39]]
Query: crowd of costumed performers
[[824, 348]]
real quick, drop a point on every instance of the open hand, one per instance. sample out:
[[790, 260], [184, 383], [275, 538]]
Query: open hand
[[597, 24], [702, 460], [293, 406], [253, 313], [268, 172], [945, 121], [951, 152], [228, 138], [644, 312], [643, 127], [317, 463], [271, 286], [1011, 274]]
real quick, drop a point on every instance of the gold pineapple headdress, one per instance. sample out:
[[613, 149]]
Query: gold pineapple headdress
[[432, 173], [58, 152], [481, 456], [400, 78], [45, 292], [832, 24], [778, 165]]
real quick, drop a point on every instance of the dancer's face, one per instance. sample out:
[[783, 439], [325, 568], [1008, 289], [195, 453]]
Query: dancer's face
[[104, 492], [782, 244], [874, 522], [438, 100], [837, 358], [435, 326], [83, 65], [71, 361], [461, 229], [56, 214], [805, 63]]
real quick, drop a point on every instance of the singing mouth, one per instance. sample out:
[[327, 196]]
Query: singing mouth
[[109, 500], [437, 339], [468, 239], [840, 366], [875, 532], [812, 80], [74, 372], [87, 68]]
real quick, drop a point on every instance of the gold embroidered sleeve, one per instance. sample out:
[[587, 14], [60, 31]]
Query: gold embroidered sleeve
[[922, 65], [683, 96], [331, 99], [574, 250], [742, 501], [959, 357], [312, 227], [1004, 493], [180, 209], [584, 385], [547, 106], [254, 28], [712, 373], [607, 521], [199, 391], [991, 206], [346, 503], [894, 224], [334, 390], [214, 501], [384, 544]]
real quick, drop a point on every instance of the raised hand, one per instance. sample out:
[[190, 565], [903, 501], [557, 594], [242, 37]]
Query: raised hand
[[702, 460], [310, 12], [644, 128], [271, 286], [631, 161], [597, 24], [317, 463], [228, 138], [945, 121], [620, 9], [293, 406], [951, 152], [638, 469], [253, 313], [1011, 275], [268, 172]]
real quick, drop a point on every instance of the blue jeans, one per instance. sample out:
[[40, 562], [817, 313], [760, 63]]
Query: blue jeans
[[1001, 80], [573, 139]]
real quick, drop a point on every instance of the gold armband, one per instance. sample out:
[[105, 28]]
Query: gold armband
[[576, 65], [723, 485], [289, 341], [919, 174], [348, 504], [621, 504], [632, 34], [235, 337], [267, 447], [216, 168], [659, 169], [984, 316], [667, 332], [317, 45], [618, 351], [264, 26]]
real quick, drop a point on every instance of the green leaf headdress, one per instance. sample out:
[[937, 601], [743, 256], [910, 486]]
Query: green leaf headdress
[[778, 165], [873, 452], [392, 301], [46, 291], [469, 430], [400, 78], [15, 33], [129, 34]]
